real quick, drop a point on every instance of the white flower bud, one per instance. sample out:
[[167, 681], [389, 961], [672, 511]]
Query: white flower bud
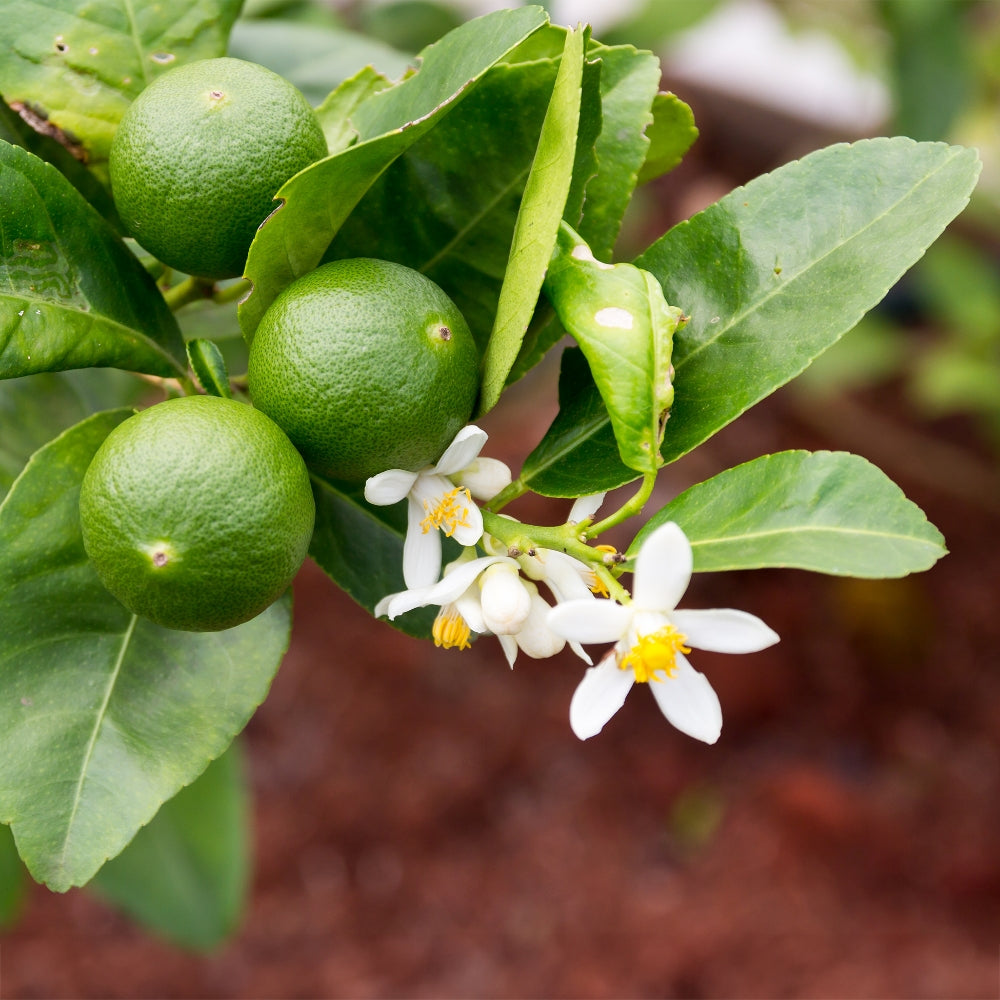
[[485, 478], [505, 600]]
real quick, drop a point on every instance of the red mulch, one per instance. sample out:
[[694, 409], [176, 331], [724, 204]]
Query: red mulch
[[427, 825]]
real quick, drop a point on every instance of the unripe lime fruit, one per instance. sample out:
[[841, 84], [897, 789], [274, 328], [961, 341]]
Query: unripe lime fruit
[[366, 365], [197, 513], [199, 155]]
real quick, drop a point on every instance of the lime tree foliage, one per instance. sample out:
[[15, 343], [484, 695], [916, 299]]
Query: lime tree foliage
[[429, 237]]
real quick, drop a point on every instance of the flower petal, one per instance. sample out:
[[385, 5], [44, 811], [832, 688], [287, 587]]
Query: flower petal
[[662, 569], [535, 638], [598, 696], [484, 478], [462, 451], [421, 549], [470, 532], [590, 620], [509, 645], [505, 599], [564, 574], [724, 630], [689, 702], [389, 487], [450, 588], [585, 508]]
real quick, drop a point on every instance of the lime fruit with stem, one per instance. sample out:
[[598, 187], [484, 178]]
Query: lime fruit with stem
[[197, 513], [199, 155], [367, 365]]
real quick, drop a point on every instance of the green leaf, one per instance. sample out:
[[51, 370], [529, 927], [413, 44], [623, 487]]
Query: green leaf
[[71, 293], [314, 57], [209, 365], [932, 64], [104, 715], [34, 409], [185, 875], [618, 316], [830, 512], [578, 454], [671, 134], [537, 223], [360, 547], [335, 112], [14, 128], [13, 884], [778, 270], [316, 201], [629, 83], [80, 64]]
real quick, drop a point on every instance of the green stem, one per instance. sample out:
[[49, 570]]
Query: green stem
[[231, 293], [628, 509], [189, 290], [523, 539], [506, 495]]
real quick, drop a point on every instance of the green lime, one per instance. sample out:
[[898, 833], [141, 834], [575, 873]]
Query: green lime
[[197, 513], [366, 365], [199, 155]]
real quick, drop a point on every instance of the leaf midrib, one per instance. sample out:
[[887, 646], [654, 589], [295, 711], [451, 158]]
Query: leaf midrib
[[89, 752], [783, 286], [812, 529]]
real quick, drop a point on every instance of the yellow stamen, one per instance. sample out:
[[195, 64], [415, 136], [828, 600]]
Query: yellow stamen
[[450, 629], [449, 513], [655, 654], [597, 585]]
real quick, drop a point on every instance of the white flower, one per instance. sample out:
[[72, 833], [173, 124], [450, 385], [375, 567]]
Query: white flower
[[651, 638], [485, 595], [585, 508], [435, 503], [534, 637]]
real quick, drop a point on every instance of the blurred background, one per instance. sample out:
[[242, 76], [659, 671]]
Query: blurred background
[[424, 822]]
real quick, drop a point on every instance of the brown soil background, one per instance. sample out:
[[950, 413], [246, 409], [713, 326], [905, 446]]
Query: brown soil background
[[427, 825]]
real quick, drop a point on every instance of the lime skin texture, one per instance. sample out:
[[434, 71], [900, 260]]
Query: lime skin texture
[[199, 155], [367, 365], [197, 513]]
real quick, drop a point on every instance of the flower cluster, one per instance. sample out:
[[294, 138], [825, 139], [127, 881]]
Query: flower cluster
[[497, 594]]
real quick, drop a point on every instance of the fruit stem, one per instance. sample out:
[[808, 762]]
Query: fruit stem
[[231, 293], [628, 509], [191, 289], [516, 489], [522, 539]]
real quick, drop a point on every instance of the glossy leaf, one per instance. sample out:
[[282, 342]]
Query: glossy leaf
[[71, 293], [337, 108], [104, 715], [209, 366], [33, 410], [14, 128], [81, 64], [618, 316], [13, 884], [774, 274], [778, 270], [629, 83], [36, 408], [185, 875], [360, 547], [314, 57], [671, 135], [316, 201], [578, 454], [830, 512], [537, 223]]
